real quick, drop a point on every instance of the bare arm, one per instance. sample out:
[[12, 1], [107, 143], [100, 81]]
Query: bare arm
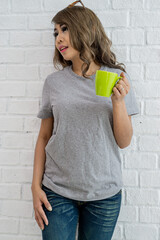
[[122, 126], [40, 156], [39, 196], [39, 161]]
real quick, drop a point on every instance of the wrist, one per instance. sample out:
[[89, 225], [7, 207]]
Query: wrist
[[118, 102], [35, 186]]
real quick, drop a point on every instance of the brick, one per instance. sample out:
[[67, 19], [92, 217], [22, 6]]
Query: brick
[[128, 214], [145, 19], [139, 197], [150, 215], [29, 226], [138, 160], [19, 237], [8, 226], [152, 72], [130, 178], [39, 56], [24, 39], [40, 22], [150, 5], [20, 209], [26, 192], [26, 157], [153, 37], [145, 54], [152, 108], [121, 53], [49, 5], [17, 141], [4, 6], [26, 6], [4, 38], [45, 70], [17, 174], [11, 124], [3, 72], [148, 89], [149, 143], [146, 125], [8, 191], [135, 71], [139, 232], [34, 89], [127, 4], [31, 124], [9, 157], [150, 179], [23, 107], [95, 6], [14, 89], [124, 37], [48, 38], [11, 56], [13, 22], [20, 72], [118, 232], [114, 19], [3, 106]]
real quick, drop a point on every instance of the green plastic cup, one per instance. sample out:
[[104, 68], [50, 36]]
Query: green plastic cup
[[104, 82]]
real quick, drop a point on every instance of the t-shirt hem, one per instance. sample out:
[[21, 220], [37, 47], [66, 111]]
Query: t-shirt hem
[[131, 113], [114, 191], [44, 114]]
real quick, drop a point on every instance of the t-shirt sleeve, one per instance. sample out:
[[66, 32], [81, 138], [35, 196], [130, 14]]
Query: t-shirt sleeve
[[130, 100], [45, 109]]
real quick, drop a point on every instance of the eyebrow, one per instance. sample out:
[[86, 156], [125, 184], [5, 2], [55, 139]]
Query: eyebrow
[[60, 26]]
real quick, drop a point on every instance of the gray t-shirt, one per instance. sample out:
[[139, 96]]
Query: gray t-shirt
[[82, 157]]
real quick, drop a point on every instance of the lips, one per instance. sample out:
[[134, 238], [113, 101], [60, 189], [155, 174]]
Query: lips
[[62, 48]]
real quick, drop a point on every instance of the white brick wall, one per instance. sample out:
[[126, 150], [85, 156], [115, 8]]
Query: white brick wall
[[26, 49]]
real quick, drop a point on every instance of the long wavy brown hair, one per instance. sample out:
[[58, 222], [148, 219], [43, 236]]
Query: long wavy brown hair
[[87, 36]]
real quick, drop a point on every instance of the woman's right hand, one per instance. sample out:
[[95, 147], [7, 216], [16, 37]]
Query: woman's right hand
[[39, 198]]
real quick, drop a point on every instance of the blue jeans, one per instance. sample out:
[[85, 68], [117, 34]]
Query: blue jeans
[[96, 219]]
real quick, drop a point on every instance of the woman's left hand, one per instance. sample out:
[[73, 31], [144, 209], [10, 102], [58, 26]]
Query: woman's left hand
[[121, 89]]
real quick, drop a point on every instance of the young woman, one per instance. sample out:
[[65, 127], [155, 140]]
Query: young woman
[[77, 177]]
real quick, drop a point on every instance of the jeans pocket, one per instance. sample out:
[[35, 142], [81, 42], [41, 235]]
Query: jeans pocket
[[116, 196], [49, 192], [45, 188]]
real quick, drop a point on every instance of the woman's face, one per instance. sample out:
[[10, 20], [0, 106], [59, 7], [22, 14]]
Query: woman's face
[[61, 35]]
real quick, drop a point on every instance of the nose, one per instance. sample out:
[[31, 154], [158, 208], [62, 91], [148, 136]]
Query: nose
[[59, 37]]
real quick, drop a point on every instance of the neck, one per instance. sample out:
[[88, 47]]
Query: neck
[[76, 67]]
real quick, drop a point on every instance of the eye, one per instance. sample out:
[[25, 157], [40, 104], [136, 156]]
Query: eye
[[55, 34], [63, 29]]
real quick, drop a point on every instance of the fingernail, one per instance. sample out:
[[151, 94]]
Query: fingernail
[[50, 208], [42, 228]]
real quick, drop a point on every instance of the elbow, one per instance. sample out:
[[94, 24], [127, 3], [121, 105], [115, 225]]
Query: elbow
[[122, 146], [126, 143]]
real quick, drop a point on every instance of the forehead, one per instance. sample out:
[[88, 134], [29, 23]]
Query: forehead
[[57, 26]]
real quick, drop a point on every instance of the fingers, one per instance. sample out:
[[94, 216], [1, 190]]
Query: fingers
[[116, 92], [122, 87], [39, 220], [124, 79], [40, 215], [47, 204]]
